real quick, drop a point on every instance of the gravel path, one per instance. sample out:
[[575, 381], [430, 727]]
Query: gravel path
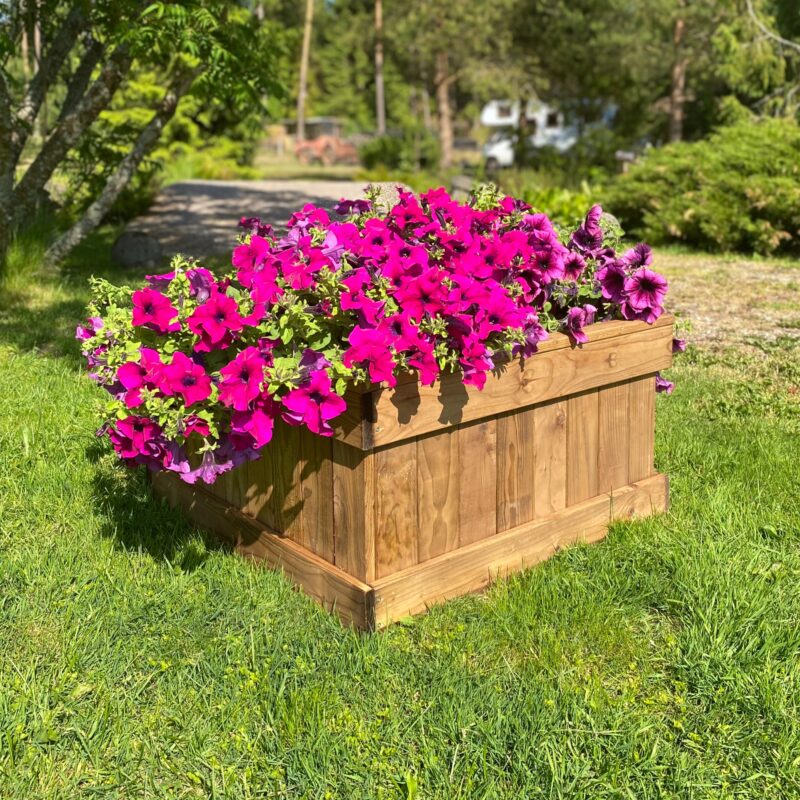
[[199, 218]]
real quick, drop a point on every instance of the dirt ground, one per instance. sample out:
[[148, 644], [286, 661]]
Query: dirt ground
[[731, 300]]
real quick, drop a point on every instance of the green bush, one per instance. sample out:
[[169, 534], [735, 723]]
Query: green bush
[[546, 192], [412, 151], [737, 190]]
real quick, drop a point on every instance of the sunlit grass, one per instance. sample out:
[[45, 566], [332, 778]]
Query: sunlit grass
[[140, 659]]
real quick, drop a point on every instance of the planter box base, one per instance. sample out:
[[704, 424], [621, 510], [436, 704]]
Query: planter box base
[[412, 590]]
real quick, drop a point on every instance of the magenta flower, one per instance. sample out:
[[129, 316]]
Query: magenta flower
[[134, 376], [663, 385], [588, 239], [574, 266], [242, 379], [679, 345], [370, 347], [422, 295], [253, 428], [577, 319], [215, 322], [314, 404], [130, 436], [90, 330], [188, 379], [638, 256], [612, 278], [475, 362], [645, 289], [154, 310]]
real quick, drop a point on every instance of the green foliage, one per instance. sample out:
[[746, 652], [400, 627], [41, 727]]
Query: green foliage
[[737, 190], [545, 192], [138, 658], [412, 151]]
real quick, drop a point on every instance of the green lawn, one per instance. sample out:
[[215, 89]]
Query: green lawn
[[138, 659]]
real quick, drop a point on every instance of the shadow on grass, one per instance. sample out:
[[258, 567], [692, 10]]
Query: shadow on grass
[[135, 519]]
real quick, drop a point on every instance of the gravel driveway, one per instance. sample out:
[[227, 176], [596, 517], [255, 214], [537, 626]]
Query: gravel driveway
[[199, 218]]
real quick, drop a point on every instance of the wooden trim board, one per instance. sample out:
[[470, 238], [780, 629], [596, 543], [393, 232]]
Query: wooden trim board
[[330, 586], [617, 351], [412, 590], [474, 567]]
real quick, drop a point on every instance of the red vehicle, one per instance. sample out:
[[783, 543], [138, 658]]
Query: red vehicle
[[324, 144]]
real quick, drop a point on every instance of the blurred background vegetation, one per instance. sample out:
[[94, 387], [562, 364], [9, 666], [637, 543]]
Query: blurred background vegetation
[[681, 117]]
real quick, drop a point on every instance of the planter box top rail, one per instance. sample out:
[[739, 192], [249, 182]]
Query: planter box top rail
[[616, 351]]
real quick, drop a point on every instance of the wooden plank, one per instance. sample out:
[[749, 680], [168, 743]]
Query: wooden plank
[[549, 458], [477, 458], [351, 599], [612, 448], [599, 331], [626, 503], [437, 493], [396, 526], [582, 442], [317, 478], [353, 511], [642, 427], [412, 410], [514, 469], [475, 566]]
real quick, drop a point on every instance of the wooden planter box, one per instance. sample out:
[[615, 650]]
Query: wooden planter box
[[426, 493]]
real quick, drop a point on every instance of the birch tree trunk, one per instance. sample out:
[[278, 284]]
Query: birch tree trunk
[[304, 57], [69, 131], [121, 176]]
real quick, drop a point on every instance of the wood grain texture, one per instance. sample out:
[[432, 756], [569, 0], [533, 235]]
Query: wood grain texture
[[613, 438], [287, 470], [477, 458], [317, 490], [410, 410], [354, 511], [582, 441], [437, 493], [549, 458], [351, 599], [514, 469], [396, 525], [472, 568], [642, 427]]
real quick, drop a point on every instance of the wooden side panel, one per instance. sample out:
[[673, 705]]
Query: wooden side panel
[[549, 458], [396, 526], [437, 493], [612, 452], [353, 511], [411, 410], [514, 469], [642, 427], [582, 439], [287, 469], [477, 458], [472, 568], [351, 599], [317, 477]]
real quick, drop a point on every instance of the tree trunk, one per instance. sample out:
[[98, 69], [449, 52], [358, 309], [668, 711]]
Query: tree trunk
[[80, 78], [427, 120], [380, 102], [69, 131], [6, 169], [677, 96], [47, 71], [121, 176], [442, 80], [304, 56]]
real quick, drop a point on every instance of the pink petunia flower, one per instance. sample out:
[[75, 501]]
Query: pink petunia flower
[[242, 379], [215, 322], [314, 404], [663, 385], [577, 319], [370, 347], [253, 428], [154, 310], [188, 379]]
